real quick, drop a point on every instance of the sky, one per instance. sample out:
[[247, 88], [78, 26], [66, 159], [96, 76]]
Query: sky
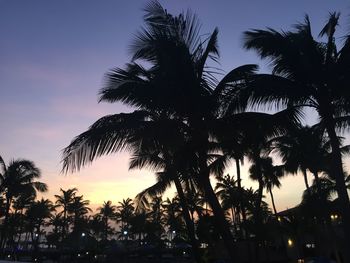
[[53, 57]]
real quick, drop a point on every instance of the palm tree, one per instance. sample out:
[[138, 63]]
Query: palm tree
[[57, 223], [307, 73], [20, 205], [125, 210], [303, 148], [97, 226], [229, 193], [156, 217], [78, 208], [170, 164], [255, 214], [37, 214], [107, 212], [64, 201], [16, 179], [173, 215], [270, 176], [233, 147], [177, 59], [138, 224]]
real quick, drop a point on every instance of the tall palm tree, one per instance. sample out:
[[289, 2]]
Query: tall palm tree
[[229, 193], [270, 176], [125, 210], [233, 147], [304, 148], [138, 224], [64, 201], [177, 58], [173, 218], [156, 216], [107, 212], [20, 205], [307, 73], [37, 214], [16, 179], [78, 208], [57, 223], [177, 83], [97, 226], [171, 171]]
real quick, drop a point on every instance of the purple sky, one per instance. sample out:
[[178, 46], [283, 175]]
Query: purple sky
[[53, 55]]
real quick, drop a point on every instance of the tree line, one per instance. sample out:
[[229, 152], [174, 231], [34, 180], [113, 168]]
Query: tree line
[[30, 224]]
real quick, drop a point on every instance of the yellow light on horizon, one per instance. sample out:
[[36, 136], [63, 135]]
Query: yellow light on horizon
[[290, 242]]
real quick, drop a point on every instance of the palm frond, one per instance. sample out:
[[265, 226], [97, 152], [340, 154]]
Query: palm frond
[[108, 135], [142, 199], [41, 187], [331, 24]]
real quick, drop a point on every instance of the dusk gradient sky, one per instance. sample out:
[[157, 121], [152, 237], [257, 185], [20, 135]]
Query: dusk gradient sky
[[54, 54]]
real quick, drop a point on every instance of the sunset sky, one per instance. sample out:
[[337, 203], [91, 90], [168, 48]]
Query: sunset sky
[[53, 56]]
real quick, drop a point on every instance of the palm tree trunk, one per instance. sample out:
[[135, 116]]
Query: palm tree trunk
[[106, 229], [221, 224], [306, 181], [318, 183], [260, 189], [338, 174], [64, 223], [5, 224], [233, 217], [241, 206], [220, 221], [188, 221], [273, 202]]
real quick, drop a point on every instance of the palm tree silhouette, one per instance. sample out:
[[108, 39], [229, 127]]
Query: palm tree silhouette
[[176, 83], [307, 73], [36, 215], [65, 200], [78, 208], [16, 179], [228, 191], [125, 210], [270, 176], [107, 212]]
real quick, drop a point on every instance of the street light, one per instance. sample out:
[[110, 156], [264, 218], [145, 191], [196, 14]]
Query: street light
[[334, 216], [83, 234], [290, 242], [125, 233]]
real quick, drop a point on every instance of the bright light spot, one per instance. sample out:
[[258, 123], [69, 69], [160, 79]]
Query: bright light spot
[[125, 233], [78, 255], [290, 242], [36, 235], [279, 219], [8, 256], [174, 231], [83, 234], [87, 253]]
